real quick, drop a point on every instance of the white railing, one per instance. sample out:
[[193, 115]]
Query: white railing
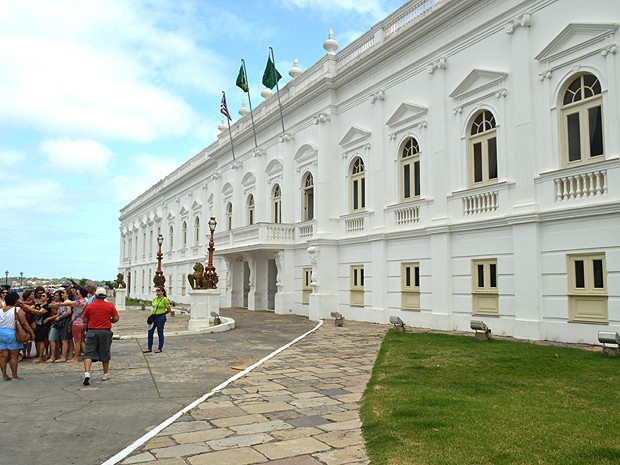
[[410, 15], [480, 203], [280, 233], [309, 76], [305, 230], [357, 49], [355, 224], [407, 215], [578, 186]]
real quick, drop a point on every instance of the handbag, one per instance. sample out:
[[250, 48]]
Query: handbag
[[150, 319], [21, 335]]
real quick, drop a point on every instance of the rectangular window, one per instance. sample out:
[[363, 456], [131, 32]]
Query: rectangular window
[[580, 275], [355, 195], [410, 287], [416, 171], [484, 287], [363, 193], [169, 285], [595, 121], [357, 285], [492, 147], [574, 137], [306, 286], [478, 162], [310, 205], [587, 290], [406, 181]]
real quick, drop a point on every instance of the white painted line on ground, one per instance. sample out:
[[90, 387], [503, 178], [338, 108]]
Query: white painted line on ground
[[155, 431]]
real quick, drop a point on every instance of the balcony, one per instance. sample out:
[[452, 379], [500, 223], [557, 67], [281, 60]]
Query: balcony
[[581, 185], [355, 223], [259, 235], [481, 201]]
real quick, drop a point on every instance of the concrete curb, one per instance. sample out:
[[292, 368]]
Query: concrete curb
[[226, 324]]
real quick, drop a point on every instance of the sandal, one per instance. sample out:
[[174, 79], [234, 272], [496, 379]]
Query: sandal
[[158, 351], [147, 351]]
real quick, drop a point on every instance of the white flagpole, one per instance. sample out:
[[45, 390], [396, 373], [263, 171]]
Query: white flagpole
[[273, 60], [245, 76]]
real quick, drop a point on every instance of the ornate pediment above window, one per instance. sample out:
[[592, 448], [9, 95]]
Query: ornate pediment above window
[[184, 211], [170, 216], [196, 205], [274, 171], [124, 231], [248, 181], [355, 137], [479, 85], [575, 42], [143, 221], [274, 167], [407, 116], [227, 189], [305, 156], [157, 215]]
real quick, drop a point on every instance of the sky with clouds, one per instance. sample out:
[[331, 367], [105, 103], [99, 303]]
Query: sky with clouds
[[100, 99]]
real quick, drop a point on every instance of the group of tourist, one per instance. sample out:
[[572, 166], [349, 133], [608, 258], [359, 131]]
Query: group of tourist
[[58, 322]]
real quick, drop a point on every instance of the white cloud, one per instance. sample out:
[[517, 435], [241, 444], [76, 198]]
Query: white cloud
[[10, 159], [110, 69], [373, 8], [24, 196], [146, 171], [77, 156]]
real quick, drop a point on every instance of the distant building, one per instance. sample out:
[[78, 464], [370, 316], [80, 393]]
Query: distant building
[[460, 160]]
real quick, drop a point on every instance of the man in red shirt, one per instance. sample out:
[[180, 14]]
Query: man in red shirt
[[98, 316]]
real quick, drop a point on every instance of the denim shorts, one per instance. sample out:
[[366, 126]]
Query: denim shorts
[[7, 340]]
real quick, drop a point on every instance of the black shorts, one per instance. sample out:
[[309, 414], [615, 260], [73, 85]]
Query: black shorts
[[98, 343]]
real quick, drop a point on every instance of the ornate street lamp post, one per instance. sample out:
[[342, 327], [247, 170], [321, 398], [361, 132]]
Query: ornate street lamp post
[[159, 279], [6, 277], [210, 274], [21, 278]]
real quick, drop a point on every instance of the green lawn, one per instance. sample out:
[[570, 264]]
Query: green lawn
[[443, 399]]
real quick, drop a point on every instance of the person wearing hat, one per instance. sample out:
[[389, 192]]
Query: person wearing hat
[[98, 317]]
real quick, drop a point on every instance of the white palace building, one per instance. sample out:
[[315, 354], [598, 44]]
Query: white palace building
[[458, 161]]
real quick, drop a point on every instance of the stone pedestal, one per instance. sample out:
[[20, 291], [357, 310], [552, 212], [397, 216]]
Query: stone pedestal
[[119, 300], [203, 302]]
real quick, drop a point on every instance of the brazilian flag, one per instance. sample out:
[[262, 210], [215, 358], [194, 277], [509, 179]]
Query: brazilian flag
[[242, 80], [271, 75]]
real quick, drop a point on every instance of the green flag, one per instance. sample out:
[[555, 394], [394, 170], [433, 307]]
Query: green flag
[[242, 80], [271, 75]]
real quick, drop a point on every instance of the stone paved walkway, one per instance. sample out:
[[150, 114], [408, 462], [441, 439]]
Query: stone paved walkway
[[298, 408]]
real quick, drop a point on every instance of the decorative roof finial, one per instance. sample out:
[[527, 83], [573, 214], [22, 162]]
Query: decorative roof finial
[[330, 44], [222, 126], [266, 93], [295, 71], [243, 110]]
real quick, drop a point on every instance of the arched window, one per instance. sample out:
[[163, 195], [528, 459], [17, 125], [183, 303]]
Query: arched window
[[250, 209], [184, 233], [582, 121], [308, 205], [229, 216], [277, 204], [410, 170], [483, 150], [197, 231], [358, 185], [171, 236]]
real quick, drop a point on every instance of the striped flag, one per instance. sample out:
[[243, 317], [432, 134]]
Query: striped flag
[[224, 107]]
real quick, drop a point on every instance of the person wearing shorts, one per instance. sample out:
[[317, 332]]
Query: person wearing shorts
[[98, 317]]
